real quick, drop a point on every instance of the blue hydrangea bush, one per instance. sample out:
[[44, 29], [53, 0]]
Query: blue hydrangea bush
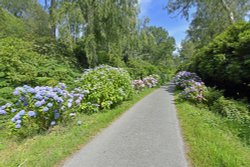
[[193, 89], [41, 107]]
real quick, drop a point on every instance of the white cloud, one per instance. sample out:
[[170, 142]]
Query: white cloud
[[144, 6]]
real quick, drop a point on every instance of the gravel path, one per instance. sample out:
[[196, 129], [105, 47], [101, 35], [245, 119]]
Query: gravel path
[[147, 135]]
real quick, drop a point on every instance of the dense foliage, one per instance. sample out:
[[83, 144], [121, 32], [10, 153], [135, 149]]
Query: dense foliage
[[11, 26], [20, 65], [225, 61]]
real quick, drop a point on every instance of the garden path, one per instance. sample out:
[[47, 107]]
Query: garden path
[[147, 135]]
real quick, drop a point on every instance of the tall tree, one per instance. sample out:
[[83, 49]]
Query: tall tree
[[107, 26], [211, 17], [30, 12]]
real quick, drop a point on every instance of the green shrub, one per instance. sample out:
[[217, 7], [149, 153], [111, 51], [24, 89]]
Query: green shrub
[[211, 95], [21, 65], [11, 26], [233, 110], [107, 85], [139, 68]]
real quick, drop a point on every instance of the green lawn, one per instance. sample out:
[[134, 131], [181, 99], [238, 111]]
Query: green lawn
[[50, 149], [209, 139]]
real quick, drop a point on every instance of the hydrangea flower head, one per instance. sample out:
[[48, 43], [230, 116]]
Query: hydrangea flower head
[[45, 109], [21, 113], [49, 105], [57, 115], [53, 123], [18, 126], [31, 113], [38, 104], [3, 112]]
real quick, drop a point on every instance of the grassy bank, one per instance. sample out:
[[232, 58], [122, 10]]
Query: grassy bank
[[209, 139], [51, 148]]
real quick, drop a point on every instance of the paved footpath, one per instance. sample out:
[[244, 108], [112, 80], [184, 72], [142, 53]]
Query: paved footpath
[[147, 135]]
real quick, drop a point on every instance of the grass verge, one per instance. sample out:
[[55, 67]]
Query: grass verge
[[51, 148], [209, 140]]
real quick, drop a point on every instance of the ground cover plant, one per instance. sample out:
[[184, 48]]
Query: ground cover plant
[[211, 140]]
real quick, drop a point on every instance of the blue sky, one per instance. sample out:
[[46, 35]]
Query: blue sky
[[175, 25]]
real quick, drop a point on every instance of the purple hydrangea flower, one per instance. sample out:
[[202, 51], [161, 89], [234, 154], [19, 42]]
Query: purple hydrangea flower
[[26, 87], [19, 121], [13, 110], [53, 123], [69, 105], [38, 96], [16, 92], [17, 116], [78, 101], [49, 105], [38, 104], [45, 109], [57, 115], [18, 126], [42, 93], [43, 102], [22, 98], [3, 112], [25, 103], [31, 113], [21, 113], [31, 90], [3, 107], [13, 119], [62, 85]]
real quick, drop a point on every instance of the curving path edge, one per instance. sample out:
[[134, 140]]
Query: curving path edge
[[147, 135]]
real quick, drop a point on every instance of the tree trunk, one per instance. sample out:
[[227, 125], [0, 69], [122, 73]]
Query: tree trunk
[[230, 13], [52, 18], [46, 4]]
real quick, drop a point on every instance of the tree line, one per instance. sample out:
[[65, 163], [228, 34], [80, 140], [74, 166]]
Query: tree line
[[95, 31], [217, 42]]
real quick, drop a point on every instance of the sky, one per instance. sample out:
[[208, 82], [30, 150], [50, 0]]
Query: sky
[[154, 10]]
